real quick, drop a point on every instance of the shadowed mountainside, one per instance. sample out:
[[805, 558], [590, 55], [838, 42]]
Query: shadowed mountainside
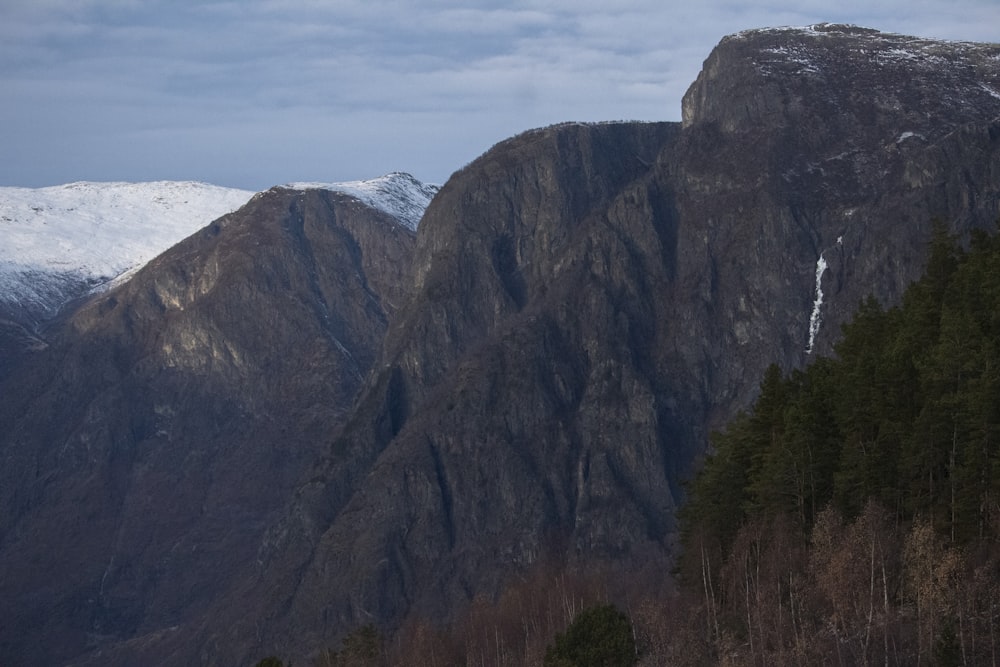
[[149, 446]]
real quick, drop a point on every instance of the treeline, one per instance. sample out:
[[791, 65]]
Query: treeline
[[853, 515]]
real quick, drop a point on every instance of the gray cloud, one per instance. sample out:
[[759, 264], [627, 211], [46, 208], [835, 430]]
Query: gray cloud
[[259, 92]]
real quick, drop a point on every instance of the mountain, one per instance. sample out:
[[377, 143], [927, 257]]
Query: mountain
[[297, 422], [62, 243], [66, 242], [882, 460], [591, 300], [150, 444]]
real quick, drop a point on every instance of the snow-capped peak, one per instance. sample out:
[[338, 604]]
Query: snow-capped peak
[[398, 194]]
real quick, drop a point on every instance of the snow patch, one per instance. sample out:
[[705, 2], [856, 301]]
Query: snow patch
[[990, 91], [908, 135], [883, 48]]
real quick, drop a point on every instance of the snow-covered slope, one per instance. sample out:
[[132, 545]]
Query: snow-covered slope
[[398, 194], [57, 242]]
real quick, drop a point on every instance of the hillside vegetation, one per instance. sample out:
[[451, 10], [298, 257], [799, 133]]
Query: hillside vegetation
[[854, 511]]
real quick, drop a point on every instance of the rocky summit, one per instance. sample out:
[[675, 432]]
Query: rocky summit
[[305, 418]]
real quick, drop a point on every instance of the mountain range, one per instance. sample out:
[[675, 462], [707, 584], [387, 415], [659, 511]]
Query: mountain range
[[313, 414]]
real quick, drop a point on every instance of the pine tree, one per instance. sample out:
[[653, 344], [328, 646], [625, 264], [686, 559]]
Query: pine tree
[[598, 637]]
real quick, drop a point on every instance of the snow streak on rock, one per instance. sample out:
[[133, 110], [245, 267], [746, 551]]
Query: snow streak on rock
[[816, 319]]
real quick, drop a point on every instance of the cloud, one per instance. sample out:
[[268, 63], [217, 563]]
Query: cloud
[[242, 92]]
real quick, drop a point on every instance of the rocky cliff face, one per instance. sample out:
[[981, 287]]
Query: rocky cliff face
[[585, 303], [831, 142], [590, 300]]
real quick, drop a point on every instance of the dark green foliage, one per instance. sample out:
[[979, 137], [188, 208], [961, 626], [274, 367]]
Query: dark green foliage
[[908, 414], [270, 661], [361, 648], [947, 651], [858, 501], [597, 637]]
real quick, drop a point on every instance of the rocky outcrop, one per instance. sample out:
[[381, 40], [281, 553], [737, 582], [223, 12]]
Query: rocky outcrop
[[836, 142], [584, 304], [483, 432]]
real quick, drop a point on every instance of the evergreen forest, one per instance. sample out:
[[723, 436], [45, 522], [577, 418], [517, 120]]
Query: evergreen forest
[[852, 516]]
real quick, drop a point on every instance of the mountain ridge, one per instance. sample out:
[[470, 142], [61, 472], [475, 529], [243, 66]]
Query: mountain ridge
[[66, 241]]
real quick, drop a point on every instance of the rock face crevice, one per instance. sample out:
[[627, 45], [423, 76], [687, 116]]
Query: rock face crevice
[[533, 376]]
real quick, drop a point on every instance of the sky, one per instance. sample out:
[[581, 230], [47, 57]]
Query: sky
[[255, 93]]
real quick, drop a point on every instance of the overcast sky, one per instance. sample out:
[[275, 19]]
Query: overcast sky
[[254, 93]]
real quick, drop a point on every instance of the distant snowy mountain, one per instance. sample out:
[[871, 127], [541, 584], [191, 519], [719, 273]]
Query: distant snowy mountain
[[59, 243]]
